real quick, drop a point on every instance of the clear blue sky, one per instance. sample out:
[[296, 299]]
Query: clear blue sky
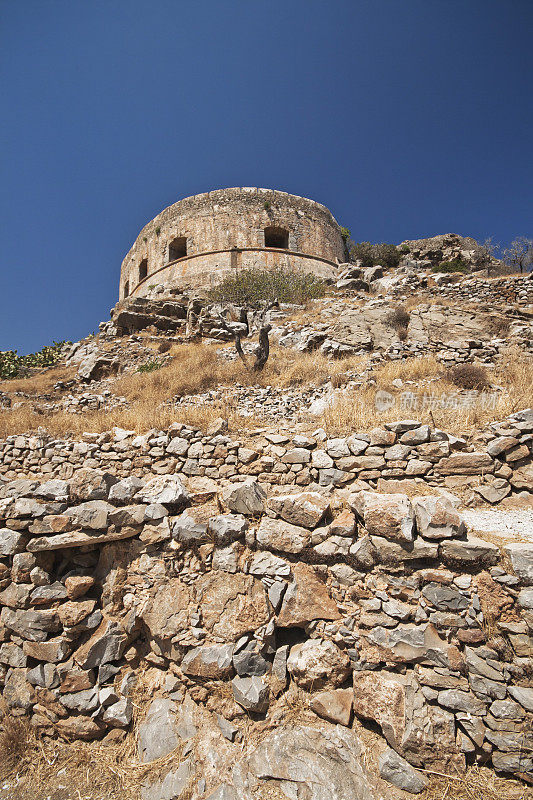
[[407, 118]]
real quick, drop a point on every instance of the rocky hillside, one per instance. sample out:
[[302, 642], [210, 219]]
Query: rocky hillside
[[312, 581]]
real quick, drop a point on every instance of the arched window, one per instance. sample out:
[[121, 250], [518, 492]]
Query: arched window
[[277, 237], [126, 289], [143, 269], [177, 248]]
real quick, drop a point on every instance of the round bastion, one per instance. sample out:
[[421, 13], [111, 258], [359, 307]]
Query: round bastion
[[195, 243]]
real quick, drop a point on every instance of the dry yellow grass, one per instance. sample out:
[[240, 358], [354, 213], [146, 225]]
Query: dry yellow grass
[[438, 402], [40, 383], [412, 369], [194, 368]]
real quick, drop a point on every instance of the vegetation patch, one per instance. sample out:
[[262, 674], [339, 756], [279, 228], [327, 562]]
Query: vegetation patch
[[150, 366], [398, 319], [252, 287], [372, 255], [14, 366], [469, 376]]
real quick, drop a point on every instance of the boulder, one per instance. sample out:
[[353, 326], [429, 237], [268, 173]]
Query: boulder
[[252, 693], [466, 464], [166, 613], [325, 761], [335, 705], [469, 552], [157, 735], [276, 534], [168, 490], [396, 770], [90, 484], [232, 605], [521, 557], [106, 644], [212, 661], [227, 528], [11, 542], [95, 367]]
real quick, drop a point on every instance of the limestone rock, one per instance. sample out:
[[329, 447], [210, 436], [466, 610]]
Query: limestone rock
[[166, 613], [276, 534], [317, 663], [325, 760], [246, 498], [334, 705], [436, 518], [227, 528], [521, 555], [466, 464], [253, 693], [387, 515], [471, 551], [306, 598], [168, 490], [231, 604], [305, 509], [213, 662], [396, 770], [157, 736]]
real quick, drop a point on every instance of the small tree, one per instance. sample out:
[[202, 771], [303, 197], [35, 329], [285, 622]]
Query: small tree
[[519, 254], [488, 252]]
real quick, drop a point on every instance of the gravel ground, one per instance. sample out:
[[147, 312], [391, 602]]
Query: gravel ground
[[514, 524]]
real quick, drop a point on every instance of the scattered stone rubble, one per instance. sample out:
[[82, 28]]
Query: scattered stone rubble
[[373, 605]]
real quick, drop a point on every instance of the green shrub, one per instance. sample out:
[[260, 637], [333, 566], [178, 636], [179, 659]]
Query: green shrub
[[405, 248], [254, 286], [150, 366], [455, 265], [14, 366], [345, 233], [385, 255]]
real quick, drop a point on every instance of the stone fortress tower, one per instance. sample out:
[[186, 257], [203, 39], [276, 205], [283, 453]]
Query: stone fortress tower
[[199, 240]]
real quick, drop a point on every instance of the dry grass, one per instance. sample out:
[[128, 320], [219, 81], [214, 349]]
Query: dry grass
[[141, 417], [412, 369], [91, 770], [479, 783], [194, 368], [40, 383], [16, 741], [438, 401]]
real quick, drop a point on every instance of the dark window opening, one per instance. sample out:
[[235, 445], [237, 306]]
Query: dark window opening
[[277, 237], [177, 248], [143, 269], [126, 289]]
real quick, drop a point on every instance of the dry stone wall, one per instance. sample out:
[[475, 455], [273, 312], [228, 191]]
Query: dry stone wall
[[496, 463], [373, 605]]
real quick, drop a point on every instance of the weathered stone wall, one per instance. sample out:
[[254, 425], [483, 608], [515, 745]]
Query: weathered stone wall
[[498, 463], [215, 223], [102, 579]]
